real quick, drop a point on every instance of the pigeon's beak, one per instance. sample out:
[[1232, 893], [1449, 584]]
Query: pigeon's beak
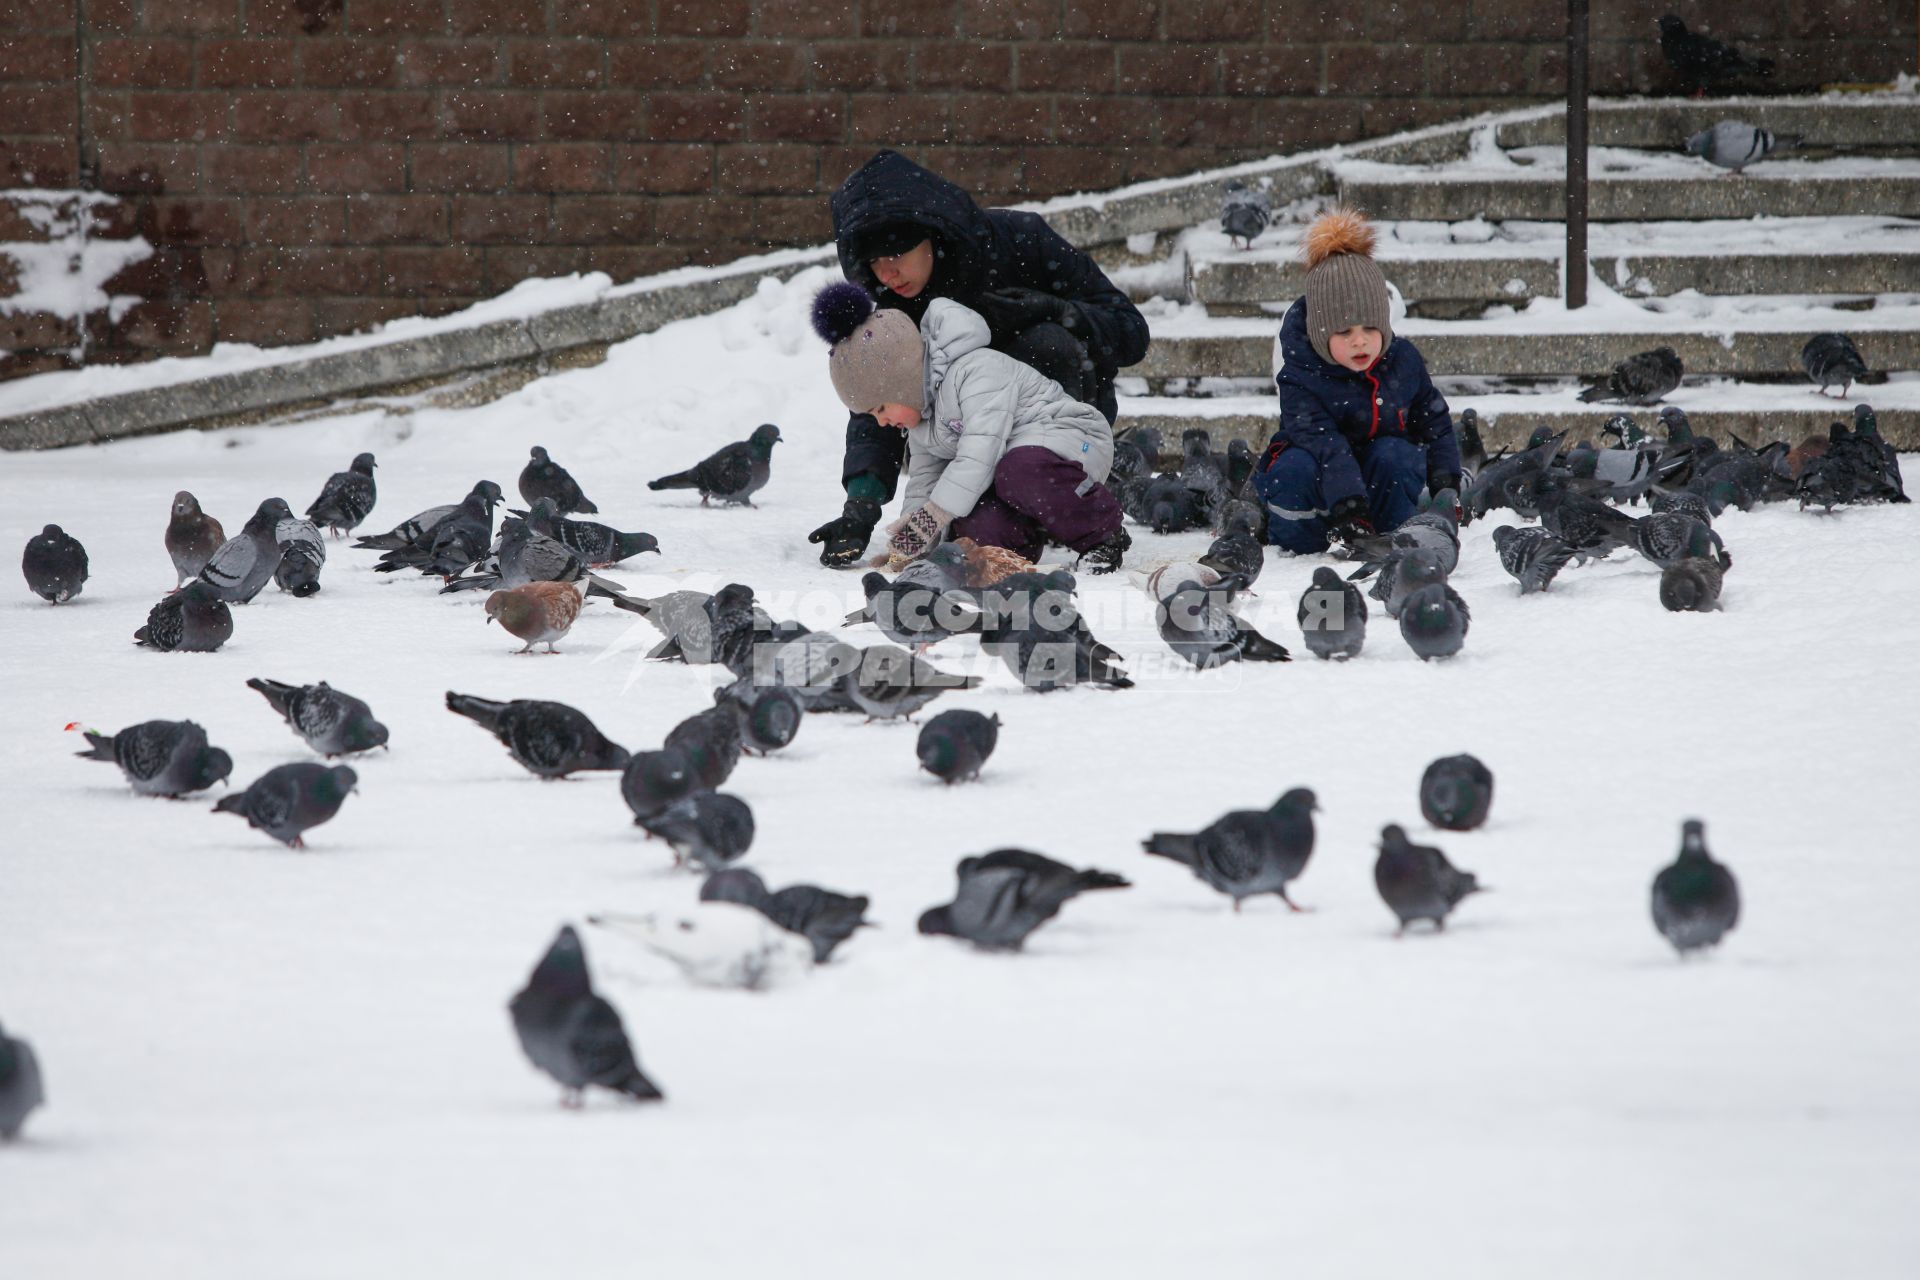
[[489, 619]]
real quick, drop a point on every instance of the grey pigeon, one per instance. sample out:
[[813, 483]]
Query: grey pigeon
[[162, 757], [417, 530], [1456, 792], [288, 800], [711, 742], [346, 498], [193, 619], [1433, 529], [526, 552], [654, 780], [1333, 616], [1406, 569], [548, 739], [192, 537], [1030, 623], [1434, 622], [20, 1087], [1703, 62], [732, 474], [1685, 503], [824, 918], [1165, 504], [1201, 474], [1532, 556], [769, 715], [1696, 901], [681, 618], [1198, 623], [710, 828], [1735, 144], [1247, 851], [1473, 450], [892, 683], [331, 722], [245, 562], [1866, 427], [55, 565], [1591, 527], [1666, 538], [1244, 212], [955, 744], [542, 477], [1236, 553], [925, 603], [453, 544], [1136, 453], [1003, 896], [1691, 586], [1417, 882], [1831, 357], [1493, 486], [571, 1033], [599, 545], [1644, 378], [302, 553]]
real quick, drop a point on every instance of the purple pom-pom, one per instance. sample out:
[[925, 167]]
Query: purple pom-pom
[[839, 309]]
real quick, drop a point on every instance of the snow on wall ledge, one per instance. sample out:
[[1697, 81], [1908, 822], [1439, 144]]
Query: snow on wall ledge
[[63, 273]]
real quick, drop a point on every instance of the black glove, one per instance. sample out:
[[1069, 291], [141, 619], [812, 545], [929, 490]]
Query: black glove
[[1015, 310], [1347, 521], [846, 537]]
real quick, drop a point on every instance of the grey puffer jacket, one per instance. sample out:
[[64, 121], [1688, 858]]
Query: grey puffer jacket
[[981, 403]]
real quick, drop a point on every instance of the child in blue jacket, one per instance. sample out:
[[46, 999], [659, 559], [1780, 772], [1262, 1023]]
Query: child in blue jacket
[[1362, 428]]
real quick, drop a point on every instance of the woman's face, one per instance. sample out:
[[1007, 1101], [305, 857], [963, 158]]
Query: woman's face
[[1356, 348], [906, 273], [905, 417]]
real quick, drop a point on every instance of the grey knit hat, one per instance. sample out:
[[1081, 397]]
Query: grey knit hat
[[1344, 284], [881, 362]]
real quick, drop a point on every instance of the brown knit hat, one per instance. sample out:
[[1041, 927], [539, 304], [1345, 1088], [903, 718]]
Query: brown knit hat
[[877, 356], [1344, 284]]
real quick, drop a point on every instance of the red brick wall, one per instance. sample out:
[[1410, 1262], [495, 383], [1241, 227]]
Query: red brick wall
[[308, 167]]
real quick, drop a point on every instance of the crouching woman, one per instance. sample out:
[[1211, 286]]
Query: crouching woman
[[996, 451]]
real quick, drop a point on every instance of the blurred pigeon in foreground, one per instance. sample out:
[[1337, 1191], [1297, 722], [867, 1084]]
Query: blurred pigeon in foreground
[[710, 828], [1434, 622], [732, 474], [331, 722], [955, 744], [538, 612], [711, 741], [892, 683], [20, 1087], [1703, 62], [1640, 379], [681, 618], [542, 477], [1456, 792], [548, 739], [1691, 586], [1244, 212], [1247, 851], [1532, 556], [1333, 616], [572, 1034], [192, 537], [1831, 357], [55, 565], [162, 757], [1695, 899], [769, 715], [346, 497], [653, 780], [824, 918], [718, 944], [193, 619], [417, 530], [245, 562], [1417, 882], [289, 799], [1005, 895], [1735, 144], [302, 554]]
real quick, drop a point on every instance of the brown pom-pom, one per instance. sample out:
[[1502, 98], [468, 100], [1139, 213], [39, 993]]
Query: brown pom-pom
[[1339, 231]]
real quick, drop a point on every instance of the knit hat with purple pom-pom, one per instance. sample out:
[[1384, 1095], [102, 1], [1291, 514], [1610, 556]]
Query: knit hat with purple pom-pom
[[877, 356]]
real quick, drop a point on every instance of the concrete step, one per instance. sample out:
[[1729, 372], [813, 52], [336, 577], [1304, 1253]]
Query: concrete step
[[1522, 347], [1756, 413], [1866, 121]]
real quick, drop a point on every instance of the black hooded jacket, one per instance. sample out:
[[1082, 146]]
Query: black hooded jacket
[[976, 251]]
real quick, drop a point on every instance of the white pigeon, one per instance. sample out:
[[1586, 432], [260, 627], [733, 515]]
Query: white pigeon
[[716, 944]]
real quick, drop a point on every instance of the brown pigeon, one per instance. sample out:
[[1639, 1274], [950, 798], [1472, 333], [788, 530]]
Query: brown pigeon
[[539, 612]]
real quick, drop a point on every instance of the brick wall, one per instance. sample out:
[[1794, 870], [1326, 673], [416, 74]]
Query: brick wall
[[308, 167]]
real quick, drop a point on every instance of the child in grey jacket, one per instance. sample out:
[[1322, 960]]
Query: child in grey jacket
[[996, 451]]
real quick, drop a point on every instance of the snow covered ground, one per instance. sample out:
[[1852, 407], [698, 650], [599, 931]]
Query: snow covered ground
[[271, 1063]]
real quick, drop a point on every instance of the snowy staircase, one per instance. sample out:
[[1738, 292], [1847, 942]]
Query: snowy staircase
[[1734, 272]]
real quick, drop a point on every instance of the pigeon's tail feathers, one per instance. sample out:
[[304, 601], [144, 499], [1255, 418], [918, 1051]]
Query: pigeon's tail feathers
[[1176, 845], [1255, 647], [1596, 395], [479, 710], [380, 542], [235, 803], [678, 480], [100, 747], [477, 582], [635, 1085], [1094, 878], [599, 586], [277, 694]]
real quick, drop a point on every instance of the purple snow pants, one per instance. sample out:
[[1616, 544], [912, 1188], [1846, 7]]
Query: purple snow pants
[[1034, 500]]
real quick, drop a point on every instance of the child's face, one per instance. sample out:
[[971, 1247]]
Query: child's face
[[1356, 348], [906, 273], [905, 417]]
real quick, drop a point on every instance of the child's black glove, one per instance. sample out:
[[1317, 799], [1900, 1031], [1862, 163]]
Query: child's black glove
[[1347, 521], [846, 537]]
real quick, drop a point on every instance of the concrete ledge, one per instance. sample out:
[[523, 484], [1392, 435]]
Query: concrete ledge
[[1441, 199], [1864, 121], [1222, 280]]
